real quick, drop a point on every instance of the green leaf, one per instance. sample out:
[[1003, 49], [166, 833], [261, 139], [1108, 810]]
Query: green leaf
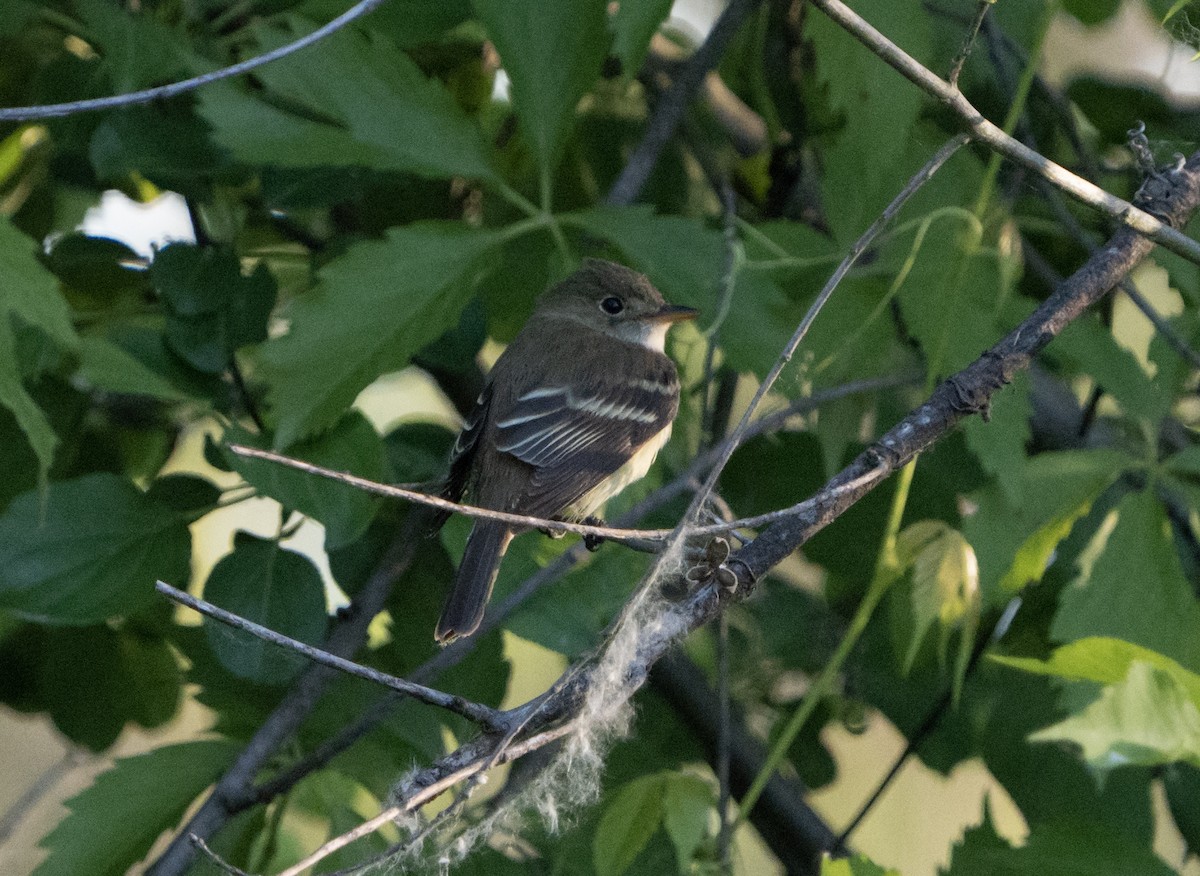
[[98, 267], [1182, 784], [358, 101], [628, 822], [1000, 442], [1014, 543], [137, 49], [95, 679], [856, 865], [687, 805], [633, 27], [351, 446], [88, 549], [1092, 12], [552, 54], [107, 366], [29, 294], [129, 806], [277, 588], [212, 309], [1148, 719], [1103, 660], [953, 293], [945, 588], [1090, 346], [374, 307], [878, 107], [1072, 846], [1132, 587]]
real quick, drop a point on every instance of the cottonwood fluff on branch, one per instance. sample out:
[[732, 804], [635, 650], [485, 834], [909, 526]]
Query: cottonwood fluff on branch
[[607, 682]]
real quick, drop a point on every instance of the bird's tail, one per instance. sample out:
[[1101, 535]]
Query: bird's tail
[[473, 585]]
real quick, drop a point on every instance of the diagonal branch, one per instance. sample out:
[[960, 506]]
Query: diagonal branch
[[484, 716], [986, 132]]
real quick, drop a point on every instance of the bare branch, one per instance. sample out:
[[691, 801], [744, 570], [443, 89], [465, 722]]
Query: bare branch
[[669, 111], [484, 716], [986, 132], [162, 92], [969, 42]]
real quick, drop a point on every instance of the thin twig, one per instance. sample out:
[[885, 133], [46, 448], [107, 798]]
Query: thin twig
[[988, 133], [919, 179], [669, 111], [635, 537], [485, 716], [968, 42], [173, 89], [429, 792]]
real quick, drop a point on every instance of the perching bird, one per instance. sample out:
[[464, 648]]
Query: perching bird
[[574, 410]]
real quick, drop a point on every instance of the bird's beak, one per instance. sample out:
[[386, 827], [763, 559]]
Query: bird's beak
[[673, 313]]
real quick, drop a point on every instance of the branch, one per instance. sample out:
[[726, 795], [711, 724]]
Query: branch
[[162, 92], [234, 790], [669, 111], [983, 130], [486, 717]]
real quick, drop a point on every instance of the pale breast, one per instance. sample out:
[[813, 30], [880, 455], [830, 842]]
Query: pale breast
[[634, 469]]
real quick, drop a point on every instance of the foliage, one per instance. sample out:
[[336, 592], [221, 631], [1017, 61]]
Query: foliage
[[373, 204]]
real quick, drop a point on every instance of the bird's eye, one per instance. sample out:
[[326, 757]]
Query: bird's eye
[[612, 305]]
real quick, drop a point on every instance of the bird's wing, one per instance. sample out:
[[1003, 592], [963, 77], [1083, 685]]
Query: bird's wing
[[576, 438], [462, 456]]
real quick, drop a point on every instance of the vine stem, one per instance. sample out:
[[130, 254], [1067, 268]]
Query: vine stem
[[881, 581]]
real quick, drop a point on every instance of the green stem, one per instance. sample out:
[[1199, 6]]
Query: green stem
[[880, 582], [1024, 84]]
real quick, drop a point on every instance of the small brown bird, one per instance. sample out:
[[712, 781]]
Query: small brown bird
[[574, 410]]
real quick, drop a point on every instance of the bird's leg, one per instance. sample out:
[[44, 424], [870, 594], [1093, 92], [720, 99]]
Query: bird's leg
[[590, 541]]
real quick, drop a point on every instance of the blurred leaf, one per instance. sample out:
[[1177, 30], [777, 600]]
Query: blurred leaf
[[137, 49], [1015, 542], [945, 589], [129, 806], [952, 295], [857, 865], [212, 308], [633, 27], [418, 452], [352, 445], [1092, 12], [355, 100], [277, 588], [29, 294], [1103, 660], [98, 267], [628, 822], [1071, 847], [687, 803], [552, 54], [89, 550], [999, 442], [108, 367], [419, 278], [1147, 719], [1112, 107], [167, 143], [1131, 587], [878, 108], [1182, 784], [1090, 346]]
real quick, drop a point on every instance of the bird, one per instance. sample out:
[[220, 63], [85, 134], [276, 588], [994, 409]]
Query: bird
[[574, 410]]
